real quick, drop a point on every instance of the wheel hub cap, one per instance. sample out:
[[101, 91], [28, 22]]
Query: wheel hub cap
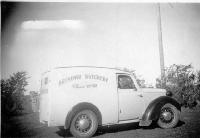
[[167, 116], [83, 123]]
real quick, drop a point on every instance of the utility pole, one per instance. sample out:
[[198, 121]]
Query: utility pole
[[162, 65]]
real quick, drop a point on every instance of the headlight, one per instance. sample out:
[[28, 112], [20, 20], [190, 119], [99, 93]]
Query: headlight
[[169, 93]]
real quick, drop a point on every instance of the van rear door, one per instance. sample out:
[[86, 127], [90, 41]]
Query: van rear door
[[44, 99]]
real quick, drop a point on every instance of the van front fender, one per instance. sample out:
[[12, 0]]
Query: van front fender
[[152, 112]]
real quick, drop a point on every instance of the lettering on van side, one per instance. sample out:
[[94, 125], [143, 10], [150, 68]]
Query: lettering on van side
[[94, 85], [96, 77], [85, 76], [69, 79]]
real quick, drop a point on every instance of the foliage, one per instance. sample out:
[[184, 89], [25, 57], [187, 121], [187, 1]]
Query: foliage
[[12, 92], [183, 83]]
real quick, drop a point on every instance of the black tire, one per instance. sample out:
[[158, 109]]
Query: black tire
[[84, 124], [169, 116]]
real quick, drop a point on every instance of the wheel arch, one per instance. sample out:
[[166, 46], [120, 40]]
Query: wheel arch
[[79, 107], [152, 112]]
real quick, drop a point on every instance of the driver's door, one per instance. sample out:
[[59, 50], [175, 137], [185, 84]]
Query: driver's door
[[130, 99]]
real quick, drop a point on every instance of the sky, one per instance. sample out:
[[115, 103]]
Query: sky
[[38, 37]]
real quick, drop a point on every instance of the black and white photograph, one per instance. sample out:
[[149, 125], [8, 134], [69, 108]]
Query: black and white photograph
[[102, 69]]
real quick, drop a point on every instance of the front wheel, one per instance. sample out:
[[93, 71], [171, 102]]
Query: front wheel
[[84, 124], [169, 116]]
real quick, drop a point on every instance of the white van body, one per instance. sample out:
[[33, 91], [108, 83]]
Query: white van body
[[63, 88]]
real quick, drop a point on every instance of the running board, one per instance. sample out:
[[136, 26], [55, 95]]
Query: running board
[[145, 122]]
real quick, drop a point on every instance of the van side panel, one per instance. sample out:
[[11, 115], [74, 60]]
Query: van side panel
[[72, 86]]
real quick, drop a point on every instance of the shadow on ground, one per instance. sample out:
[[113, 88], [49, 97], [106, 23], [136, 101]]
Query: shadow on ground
[[154, 125], [103, 129], [19, 125], [114, 128], [63, 133], [117, 128]]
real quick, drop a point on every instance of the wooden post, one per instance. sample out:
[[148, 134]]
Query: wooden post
[[162, 65]]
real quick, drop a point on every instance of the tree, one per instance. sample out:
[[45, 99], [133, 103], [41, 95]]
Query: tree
[[12, 92]]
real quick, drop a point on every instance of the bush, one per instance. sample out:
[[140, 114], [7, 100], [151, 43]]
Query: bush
[[12, 92], [183, 83]]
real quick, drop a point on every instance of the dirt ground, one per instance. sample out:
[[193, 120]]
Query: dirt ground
[[28, 125]]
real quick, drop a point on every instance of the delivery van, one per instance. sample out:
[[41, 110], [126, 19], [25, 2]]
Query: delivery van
[[83, 98]]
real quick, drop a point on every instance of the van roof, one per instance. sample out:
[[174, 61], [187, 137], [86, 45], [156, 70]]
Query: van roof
[[114, 69]]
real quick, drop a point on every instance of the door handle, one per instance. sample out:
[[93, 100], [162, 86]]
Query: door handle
[[140, 95]]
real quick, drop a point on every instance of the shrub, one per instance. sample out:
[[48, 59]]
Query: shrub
[[183, 83], [12, 92]]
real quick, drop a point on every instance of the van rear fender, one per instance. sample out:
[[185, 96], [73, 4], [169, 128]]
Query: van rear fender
[[79, 107], [153, 110]]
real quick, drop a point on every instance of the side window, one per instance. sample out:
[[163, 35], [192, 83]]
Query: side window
[[125, 82]]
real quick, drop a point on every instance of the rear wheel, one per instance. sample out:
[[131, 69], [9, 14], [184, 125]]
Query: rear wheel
[[84, 124], [169, 116]]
